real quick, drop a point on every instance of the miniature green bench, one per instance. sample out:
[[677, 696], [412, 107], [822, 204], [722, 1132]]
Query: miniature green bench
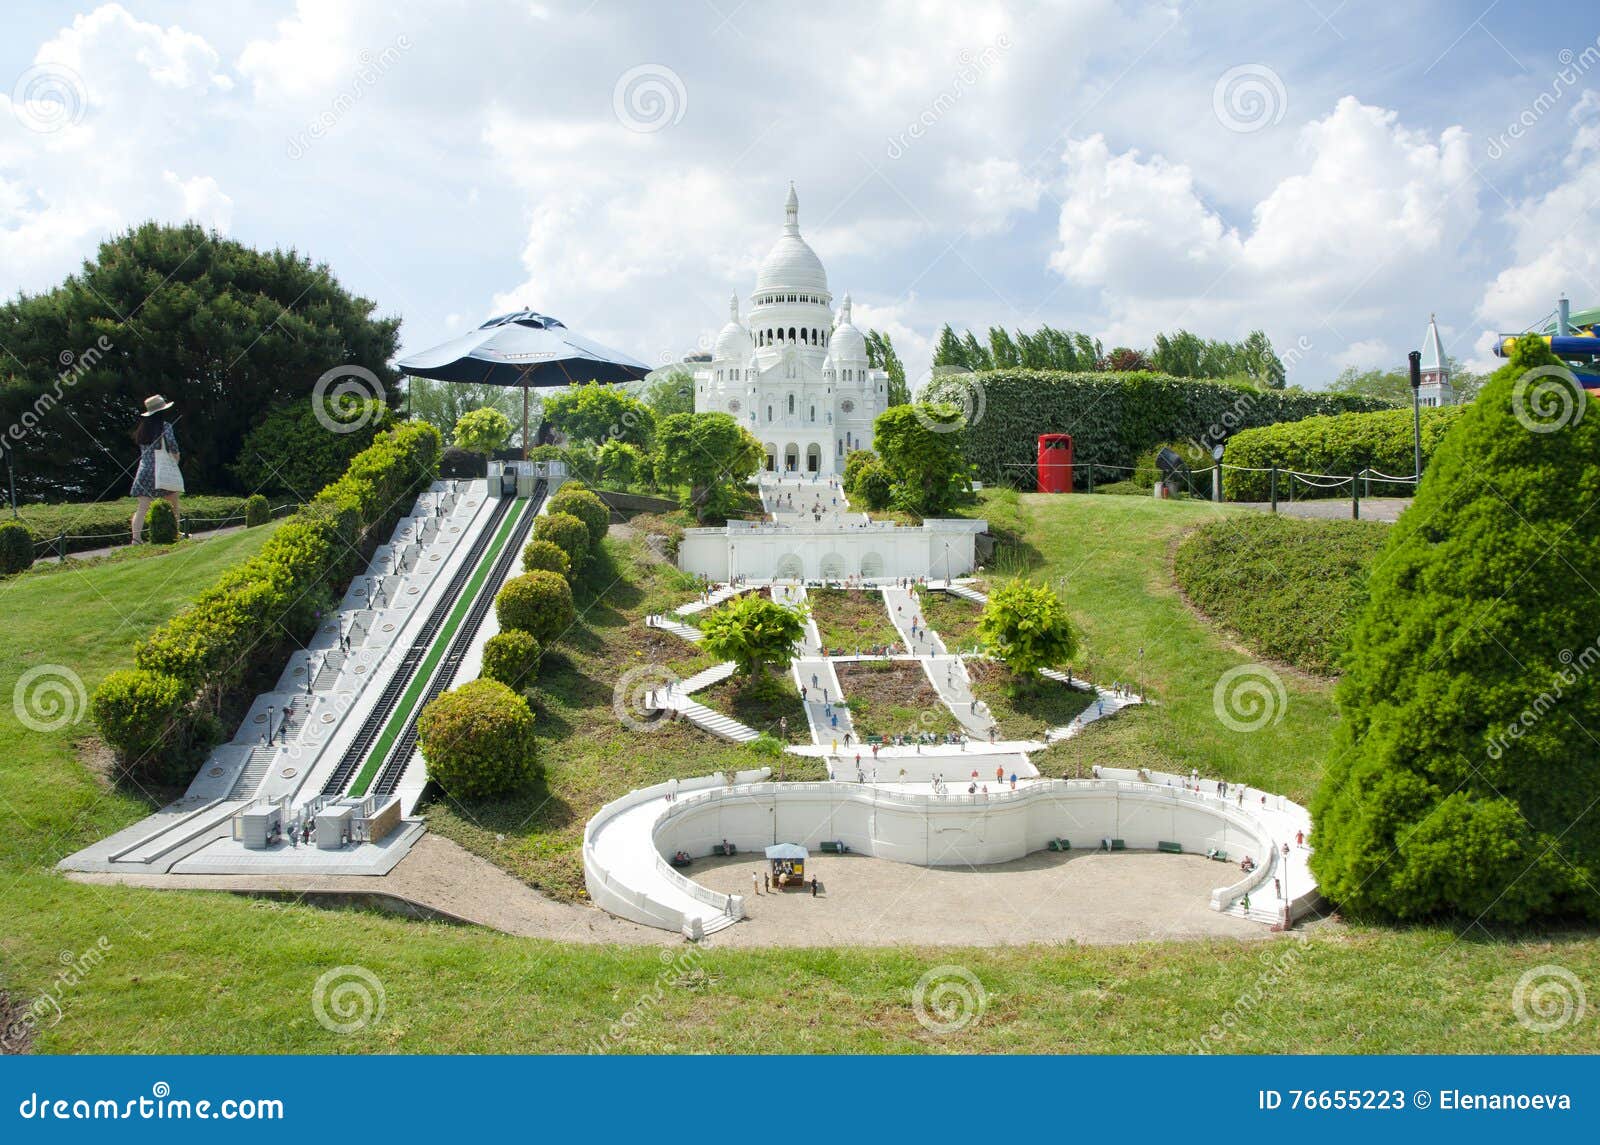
[[834, 847], [1061, 844], [1113, 845], [1167, 848]]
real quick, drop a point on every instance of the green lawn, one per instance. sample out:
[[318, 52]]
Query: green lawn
[[102, 524], [193, 972]]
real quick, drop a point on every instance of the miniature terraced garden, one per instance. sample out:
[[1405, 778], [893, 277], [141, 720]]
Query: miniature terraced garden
[[1025, 711], [954, 618], [893, 697], [851, 621]]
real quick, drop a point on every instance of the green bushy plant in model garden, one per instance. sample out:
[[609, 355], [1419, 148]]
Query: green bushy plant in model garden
[[567, 533], [1026, 626], [482, 431], [511, 657], [478, 740], [546, 555], [161, 523], [16, 548], [754, 633], [1464, 777], [256, 511], [921, 448], [588, 508], [539, 603]]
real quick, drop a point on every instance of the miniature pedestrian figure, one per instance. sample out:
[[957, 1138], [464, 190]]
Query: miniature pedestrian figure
[[1299, 838], [999, 774], [1286, 850], [766, 881], [1013, 781], [813, 886], [802, 693], [1245, 902], [755, 883], [1277, 887]]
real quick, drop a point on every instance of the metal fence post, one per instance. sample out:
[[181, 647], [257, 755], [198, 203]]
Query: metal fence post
[[1355, 495], [1274, 485]]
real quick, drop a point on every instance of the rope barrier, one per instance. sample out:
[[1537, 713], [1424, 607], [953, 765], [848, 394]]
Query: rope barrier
[[56, 542]]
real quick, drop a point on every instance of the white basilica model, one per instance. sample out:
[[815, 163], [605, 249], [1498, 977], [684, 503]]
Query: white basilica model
[[794, 375]]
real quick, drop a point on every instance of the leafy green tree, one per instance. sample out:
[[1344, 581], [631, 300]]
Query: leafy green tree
[[881, 355], [297, 448], [1258, 361], [482, 430], [855, 461], [875, 487], [1003, 352], [1124, 360], [622, 464], [669, 393], [755, 633], [1026, 626], [977, 354], [224, 331], [948, 350], [921, 447], [712, 454], [595, 412], [1395, 385], [441, 404], [1462, 780], [588, 508]]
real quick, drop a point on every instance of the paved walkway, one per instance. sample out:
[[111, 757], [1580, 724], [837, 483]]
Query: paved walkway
[[1385, 509]]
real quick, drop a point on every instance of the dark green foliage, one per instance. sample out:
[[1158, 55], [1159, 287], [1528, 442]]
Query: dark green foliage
[[140, 716], [293, 451], [574, 499], [753, 632], [256, 511], [921, 449], [224, 331], [16, 548], [1290, 588], [547, 555], [710, 453], [161, 523], [511, 657], [458, 462], [1112, 417], [854, 462], [1383, 440], [597, 413], [567, 533], [1464, 776], [478, 740], [874, 487], [539, 603]]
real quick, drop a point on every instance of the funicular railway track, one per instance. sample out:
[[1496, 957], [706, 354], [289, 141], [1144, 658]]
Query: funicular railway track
[[372, 727], [399, 757]]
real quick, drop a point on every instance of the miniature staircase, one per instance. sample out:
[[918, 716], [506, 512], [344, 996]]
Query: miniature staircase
[[686, 631], [702, 680], [965, 593], [715, 722]]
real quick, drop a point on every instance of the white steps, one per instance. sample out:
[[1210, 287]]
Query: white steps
[[702, 680], [716, 723], [686, 631]]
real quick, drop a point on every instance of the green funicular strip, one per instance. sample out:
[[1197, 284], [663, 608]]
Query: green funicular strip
[[441, 641]]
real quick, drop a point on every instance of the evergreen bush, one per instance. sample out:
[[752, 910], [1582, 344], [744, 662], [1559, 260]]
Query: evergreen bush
[[478, 740]]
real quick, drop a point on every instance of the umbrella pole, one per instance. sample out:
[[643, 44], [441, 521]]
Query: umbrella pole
[[524, 418]]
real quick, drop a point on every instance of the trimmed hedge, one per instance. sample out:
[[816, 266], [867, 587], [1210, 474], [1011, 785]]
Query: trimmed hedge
[[161, 523], [478, 740], [546, 555], [141, 715], [1112, 417], [16, 548], [1290, 588], [275, 597], [539, 603], [1338, 445], [567, 533], [256, 511], [511, 657], [584, 505]]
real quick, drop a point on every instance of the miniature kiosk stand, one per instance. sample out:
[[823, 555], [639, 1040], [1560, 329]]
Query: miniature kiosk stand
[[788, 862]]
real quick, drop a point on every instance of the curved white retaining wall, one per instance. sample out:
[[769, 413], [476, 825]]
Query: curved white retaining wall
[[627, 875]]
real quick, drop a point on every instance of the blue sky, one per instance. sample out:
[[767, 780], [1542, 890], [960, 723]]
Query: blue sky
[[1329, 172]]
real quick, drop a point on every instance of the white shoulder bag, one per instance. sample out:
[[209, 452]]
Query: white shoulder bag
[[169, 478]]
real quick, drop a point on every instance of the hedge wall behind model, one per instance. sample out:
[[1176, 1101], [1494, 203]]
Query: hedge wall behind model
[[1112, 417], [1384, 441]]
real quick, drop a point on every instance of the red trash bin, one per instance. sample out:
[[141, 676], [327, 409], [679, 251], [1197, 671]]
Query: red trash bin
[[1055, 463]]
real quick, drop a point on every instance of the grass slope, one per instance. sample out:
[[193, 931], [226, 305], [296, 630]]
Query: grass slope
[[217, 973], [1289, 588]]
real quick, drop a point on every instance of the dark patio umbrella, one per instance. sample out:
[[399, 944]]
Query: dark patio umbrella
[[527, 350]]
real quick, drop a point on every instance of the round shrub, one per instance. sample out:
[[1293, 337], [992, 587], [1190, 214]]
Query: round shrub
[[139, 714], [458, 462], [16, 548], [874, 486], [546, 555], [539, 603], [567, 533], [511, 657], [256, 511], [161, 523], [478, 740], [588, 508]]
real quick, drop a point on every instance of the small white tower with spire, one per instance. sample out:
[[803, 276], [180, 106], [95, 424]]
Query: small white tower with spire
[[1435, 389]]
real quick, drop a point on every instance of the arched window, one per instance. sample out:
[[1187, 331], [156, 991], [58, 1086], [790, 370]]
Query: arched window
[[813, 413], [791, 405], [791, 333], [805, 335]]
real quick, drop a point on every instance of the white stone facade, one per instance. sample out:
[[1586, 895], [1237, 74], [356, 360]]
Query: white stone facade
[[792, 372]]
